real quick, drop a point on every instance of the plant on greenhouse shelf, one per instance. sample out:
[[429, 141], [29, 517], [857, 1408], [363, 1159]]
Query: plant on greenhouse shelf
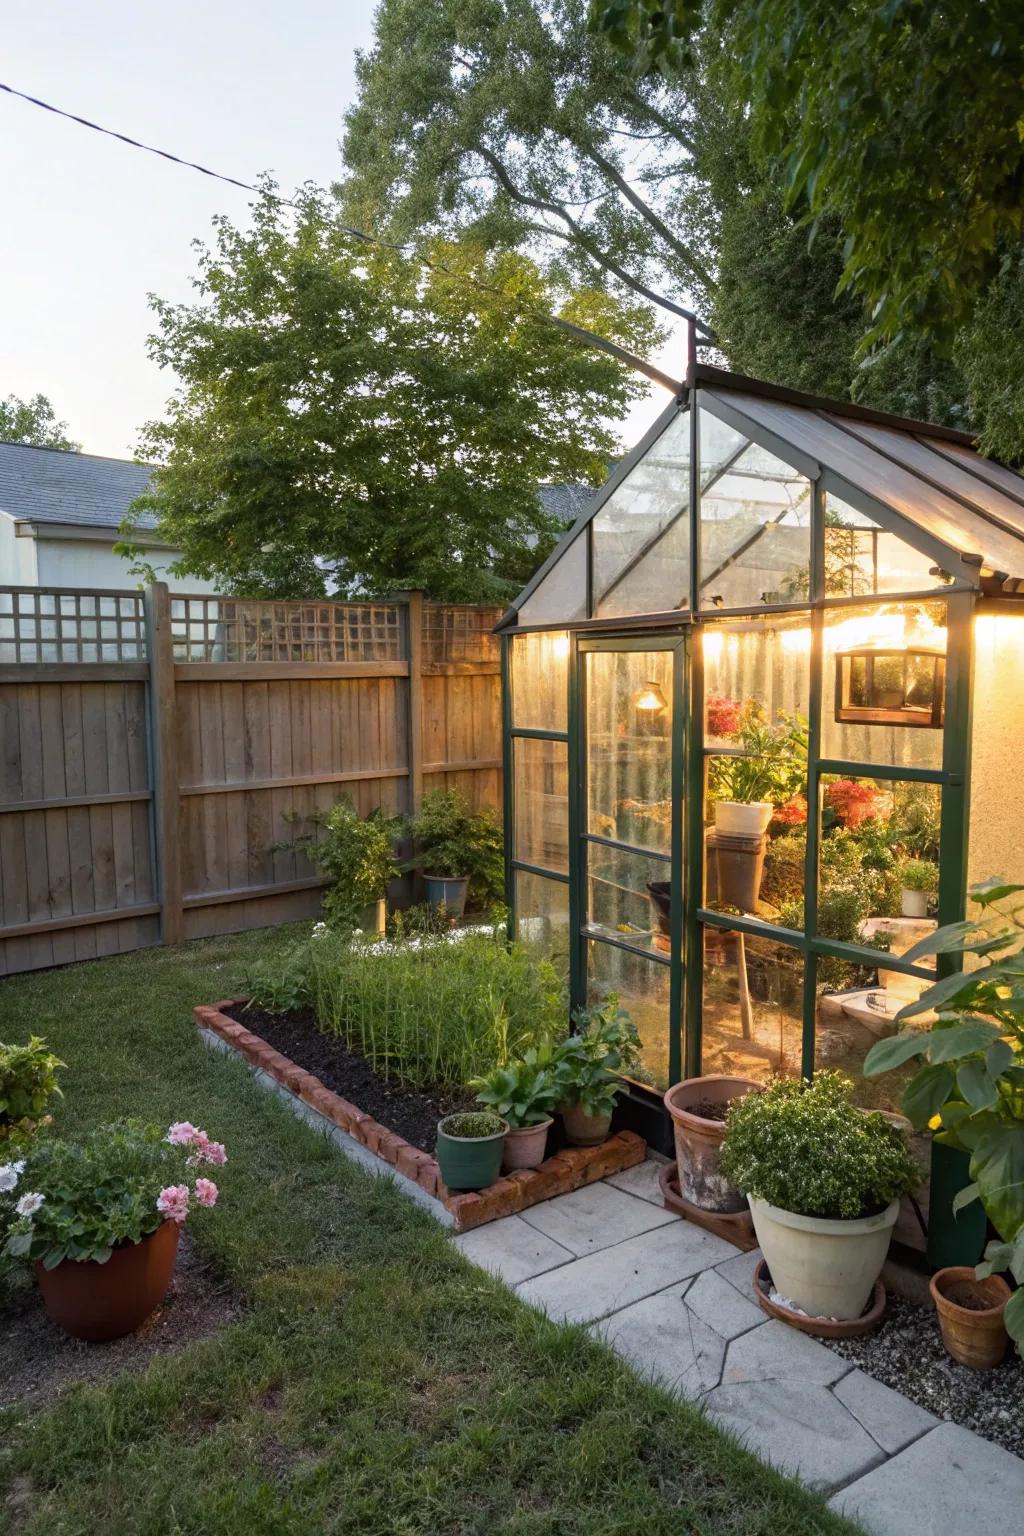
[[970, 1087], [100, 1218], [851, 803], [356, 853], [918, 881], [824, 1181], [456, 848], [770, 772], [28, 1082], [605, 1044], [724, 716], [523, 1093]]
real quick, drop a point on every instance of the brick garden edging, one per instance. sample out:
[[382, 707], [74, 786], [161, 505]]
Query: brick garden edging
[[566, 1170]]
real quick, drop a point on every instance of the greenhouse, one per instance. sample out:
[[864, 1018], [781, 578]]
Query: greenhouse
[[762, 724]]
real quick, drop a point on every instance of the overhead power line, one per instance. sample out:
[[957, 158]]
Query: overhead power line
[[406, 249]]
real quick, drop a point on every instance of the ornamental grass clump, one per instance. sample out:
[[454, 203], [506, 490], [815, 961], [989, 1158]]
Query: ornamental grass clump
[[805, 1148]]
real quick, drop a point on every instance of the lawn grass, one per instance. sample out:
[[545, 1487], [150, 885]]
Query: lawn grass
[[377, 1383]]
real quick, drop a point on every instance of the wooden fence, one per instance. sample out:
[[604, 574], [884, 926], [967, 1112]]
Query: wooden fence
[[153, 746]]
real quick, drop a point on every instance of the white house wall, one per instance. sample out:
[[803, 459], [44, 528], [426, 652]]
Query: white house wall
[[81, 563], [17, 557]]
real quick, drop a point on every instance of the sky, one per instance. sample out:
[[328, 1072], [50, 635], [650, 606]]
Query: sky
[[91, 227]]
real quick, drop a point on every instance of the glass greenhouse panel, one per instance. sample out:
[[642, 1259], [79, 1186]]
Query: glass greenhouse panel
[[996, 844], [752, 1022], [845, 1029], [757, 871], [629, 746], [628, 896], [541, 802], [561, 597], [862, 558], [883, 684], [654, 497], [542, 918], [755, 527], [540, 670], [643, 989], [754, 665]]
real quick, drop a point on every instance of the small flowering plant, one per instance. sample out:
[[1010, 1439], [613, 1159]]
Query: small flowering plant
[[81, 1200]]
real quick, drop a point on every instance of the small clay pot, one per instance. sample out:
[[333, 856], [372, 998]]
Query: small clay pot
[[525, 1145], [699, 1141], [584, 1130], [973, 1335], [106, 1301]]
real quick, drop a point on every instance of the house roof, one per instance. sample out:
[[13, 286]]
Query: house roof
[[51, 485], [566, 502], [959, 504]]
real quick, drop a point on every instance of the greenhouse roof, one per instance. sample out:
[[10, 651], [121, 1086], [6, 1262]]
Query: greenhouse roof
[[957, 503]]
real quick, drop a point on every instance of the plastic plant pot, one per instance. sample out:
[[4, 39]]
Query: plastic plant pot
[[469, 1162], [444, 892]]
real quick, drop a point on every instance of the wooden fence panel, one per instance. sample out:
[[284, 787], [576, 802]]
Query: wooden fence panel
[[153, 752]]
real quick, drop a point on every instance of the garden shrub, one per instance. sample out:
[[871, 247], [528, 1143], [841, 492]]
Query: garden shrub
[[784, 869], [454, 841], [356, 853]]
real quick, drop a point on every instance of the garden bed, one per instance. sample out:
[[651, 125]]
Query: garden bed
[[907, 1354], [566, 1170]]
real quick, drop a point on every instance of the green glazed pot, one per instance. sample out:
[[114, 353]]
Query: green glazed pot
[[444, 892], [469, 1162]]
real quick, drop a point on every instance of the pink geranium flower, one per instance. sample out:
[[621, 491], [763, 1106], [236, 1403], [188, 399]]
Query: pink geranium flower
[[181, 1134], [213, 1152], [173, 1202], [206, 1192]]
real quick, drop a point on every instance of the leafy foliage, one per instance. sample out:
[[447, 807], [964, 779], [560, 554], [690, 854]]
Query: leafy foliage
[[34, 422], [282, 984], [590, 1061], [802, 1146], [972, 1072], [774, 766], [470, 1125], [28, 1081], [358, 855], [344, 417], [918, 875], [453, 841], [525, 1090]]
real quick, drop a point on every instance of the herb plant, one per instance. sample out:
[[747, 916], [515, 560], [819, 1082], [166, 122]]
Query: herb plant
[[452, 841], [773, 767], [590, 1061], [472, 1124], [802, 1146], [525, 1091], [917, 875]]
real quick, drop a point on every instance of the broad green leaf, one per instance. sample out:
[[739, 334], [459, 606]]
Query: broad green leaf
[[965, 1197], [944, 991], [988, 891], [997, 1163], [950, 940], [1000, 1057], [1013, 1319], [977, 1087], [927, 1092], [962, 1039], [892, 1052]]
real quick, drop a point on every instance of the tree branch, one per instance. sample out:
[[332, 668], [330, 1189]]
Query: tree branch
[[657, 223]]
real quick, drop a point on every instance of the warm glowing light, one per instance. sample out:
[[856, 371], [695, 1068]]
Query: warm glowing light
[[561, 647], [712, 645], [651, 697], [796, 641], [890, 629]]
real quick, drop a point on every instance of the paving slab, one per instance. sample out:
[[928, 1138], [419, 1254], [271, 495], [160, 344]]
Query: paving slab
[[775, 1352], [889, 1417], [949, 1479], [595, 1217], [666, 1342], [512, 1249], [721, 1306], [642, 1180], [605, 1282], [739, 1271], [798, 1427]]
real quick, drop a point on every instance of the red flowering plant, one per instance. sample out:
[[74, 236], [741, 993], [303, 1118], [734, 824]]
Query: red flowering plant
[[792, 814], [850, 803], [724, 716]]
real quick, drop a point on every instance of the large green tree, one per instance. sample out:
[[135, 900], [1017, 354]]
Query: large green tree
[[345, 416], [34, 422]]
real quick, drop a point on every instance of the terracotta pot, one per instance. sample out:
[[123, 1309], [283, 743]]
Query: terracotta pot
[[974, 1337], [827, 1268], [525, 1145], [584, 1130], [699, 1141], [105, 1301]]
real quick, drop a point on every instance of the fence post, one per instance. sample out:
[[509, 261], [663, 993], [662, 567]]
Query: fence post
[[163, 746], [414, 628]]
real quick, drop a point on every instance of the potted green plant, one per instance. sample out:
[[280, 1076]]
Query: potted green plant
[[456, 848], [770, 770], [824, 1181], [28, 1082], [469, 1149], [919, 881], [523, 1094], [357, 854], [590, 1062], [100, 1218]]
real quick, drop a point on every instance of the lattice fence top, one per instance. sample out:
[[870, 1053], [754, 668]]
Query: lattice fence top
[[60, 626], [456, 633], [227, 629]]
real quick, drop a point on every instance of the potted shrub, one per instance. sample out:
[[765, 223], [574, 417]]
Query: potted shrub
[[698, 1107], [100, 1219], [745, 790], [919, 881], [456, 848], [469, 1148], [523, 1094], [28, 1082], [971, 1315], [589, 1063], [824, 1181], [357, 854]]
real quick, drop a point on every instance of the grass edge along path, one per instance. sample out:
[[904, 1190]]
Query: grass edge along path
[[377, 1383]]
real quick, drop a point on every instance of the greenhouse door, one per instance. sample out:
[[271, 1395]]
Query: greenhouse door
[[627, 836]]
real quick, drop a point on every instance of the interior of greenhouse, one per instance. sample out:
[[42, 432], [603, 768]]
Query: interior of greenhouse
[[756, 753]]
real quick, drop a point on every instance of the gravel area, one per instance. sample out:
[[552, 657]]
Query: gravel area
[[907, 1353]]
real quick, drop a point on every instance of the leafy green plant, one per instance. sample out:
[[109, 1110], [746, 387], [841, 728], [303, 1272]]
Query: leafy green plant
[[774, 766], [525, 1090], [82, 1199], [802, 1146], [590, 1061], [28, 1083], [434, 1012], [784, 869], [970, 1086], [282, 985], [471, 1124], [917, 875], [356, 853], [452, 841]]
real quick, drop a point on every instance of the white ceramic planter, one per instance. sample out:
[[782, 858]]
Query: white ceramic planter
[[914, 903], [737, 819], [826, 1268]]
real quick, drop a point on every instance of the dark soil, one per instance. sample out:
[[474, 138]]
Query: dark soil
[[408, 1112], [38, 1362], [710, 1109], [966, 1296]]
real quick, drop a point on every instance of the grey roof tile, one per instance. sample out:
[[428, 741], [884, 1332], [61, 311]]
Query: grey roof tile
[[47, 485]]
